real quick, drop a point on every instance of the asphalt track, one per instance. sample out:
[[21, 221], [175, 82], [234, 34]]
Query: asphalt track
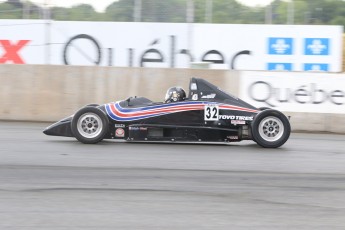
[[57, 183]]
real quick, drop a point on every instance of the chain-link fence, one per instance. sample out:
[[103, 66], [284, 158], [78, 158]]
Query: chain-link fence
[[123, 10], [199, 11]]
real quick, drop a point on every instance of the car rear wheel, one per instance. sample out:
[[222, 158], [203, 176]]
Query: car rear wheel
[[271, 129], [89, 125]]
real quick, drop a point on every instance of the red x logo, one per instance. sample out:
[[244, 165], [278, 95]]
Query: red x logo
[[11, 51]]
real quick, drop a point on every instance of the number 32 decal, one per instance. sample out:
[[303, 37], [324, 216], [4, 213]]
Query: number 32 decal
[[211, 112]]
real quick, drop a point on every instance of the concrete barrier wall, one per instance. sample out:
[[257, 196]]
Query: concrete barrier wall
[[317, 122], [50, 93]]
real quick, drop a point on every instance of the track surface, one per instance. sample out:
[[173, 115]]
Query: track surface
[[58, 183]]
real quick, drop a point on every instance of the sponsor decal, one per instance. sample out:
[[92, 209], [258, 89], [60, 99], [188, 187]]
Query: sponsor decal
[[227, 117], [119, 132], [213, 95], [232, 137], [138, 128], [193, 86], [195, 97], [238, 122], [119, 125], [233, 117]]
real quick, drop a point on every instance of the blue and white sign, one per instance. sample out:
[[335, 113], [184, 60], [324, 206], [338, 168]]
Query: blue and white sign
[[172, 45], [316, 46], [316, 67], [279, 66], [280, 46]]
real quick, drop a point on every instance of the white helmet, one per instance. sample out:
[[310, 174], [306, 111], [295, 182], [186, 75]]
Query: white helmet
[[175, 94]]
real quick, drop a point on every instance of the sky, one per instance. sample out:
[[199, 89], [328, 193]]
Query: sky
[[100, 5]]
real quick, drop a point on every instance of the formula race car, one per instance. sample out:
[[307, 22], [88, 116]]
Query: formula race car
[[207, 114]]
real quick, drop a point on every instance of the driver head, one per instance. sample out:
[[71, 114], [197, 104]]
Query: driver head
[[175, 94]]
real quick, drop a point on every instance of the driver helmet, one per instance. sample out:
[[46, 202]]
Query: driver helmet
[[175, 94]]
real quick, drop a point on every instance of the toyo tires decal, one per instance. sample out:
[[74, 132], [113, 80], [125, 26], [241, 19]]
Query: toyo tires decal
[[116, 112]]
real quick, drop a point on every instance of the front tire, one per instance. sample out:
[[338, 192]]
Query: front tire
[[271, 129], [89, 125]]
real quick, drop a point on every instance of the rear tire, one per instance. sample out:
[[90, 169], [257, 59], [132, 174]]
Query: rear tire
[[271, 129], [89, 125]]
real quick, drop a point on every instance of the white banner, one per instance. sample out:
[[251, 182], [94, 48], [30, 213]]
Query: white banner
[[172, 45], [294, 92]]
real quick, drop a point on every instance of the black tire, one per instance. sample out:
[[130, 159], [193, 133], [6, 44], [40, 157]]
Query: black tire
[[270, 129], [89, 125]]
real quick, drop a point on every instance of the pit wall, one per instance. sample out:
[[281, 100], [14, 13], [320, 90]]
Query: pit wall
[[49, 93]]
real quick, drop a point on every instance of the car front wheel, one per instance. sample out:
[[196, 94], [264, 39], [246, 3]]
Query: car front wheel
[[89, 125]]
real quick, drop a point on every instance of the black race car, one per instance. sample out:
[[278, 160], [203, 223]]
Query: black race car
[[207, 114]]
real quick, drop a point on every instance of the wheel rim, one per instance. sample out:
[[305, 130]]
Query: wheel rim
[[271, 129], [89, 125]]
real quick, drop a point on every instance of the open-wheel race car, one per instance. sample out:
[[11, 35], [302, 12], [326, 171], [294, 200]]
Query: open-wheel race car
[[206, 114]]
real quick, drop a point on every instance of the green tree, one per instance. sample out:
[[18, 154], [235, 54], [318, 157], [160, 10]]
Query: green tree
[[227, 11], [83, 12], [59, 13], [121, 11], [10, 11], [163, 11], [309, 11], [151, 11]]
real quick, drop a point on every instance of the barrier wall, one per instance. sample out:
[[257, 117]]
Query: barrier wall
[[50, 93]]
